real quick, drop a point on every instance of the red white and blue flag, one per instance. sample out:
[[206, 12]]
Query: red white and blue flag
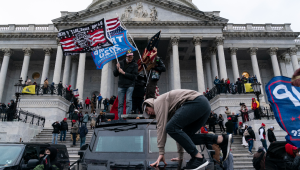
[[85, 39], [114, 26]]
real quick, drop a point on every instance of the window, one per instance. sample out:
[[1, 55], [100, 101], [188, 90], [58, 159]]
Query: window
[[123, 141], [9, 154], [169, 147], [35, 75], [246, 74]]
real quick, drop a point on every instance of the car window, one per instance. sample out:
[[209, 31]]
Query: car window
[[123, 141], [62, 152], [9, 154], [31, 152], [169, 147]]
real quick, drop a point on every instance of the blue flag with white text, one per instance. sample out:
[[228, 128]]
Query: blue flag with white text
[[285, 101], [121, 45]]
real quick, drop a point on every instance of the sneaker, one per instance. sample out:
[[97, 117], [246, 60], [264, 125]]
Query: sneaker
[[226, 145], [250, 152], [196, 164]]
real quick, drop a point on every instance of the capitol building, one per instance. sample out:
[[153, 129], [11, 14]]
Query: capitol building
[[195, 46]]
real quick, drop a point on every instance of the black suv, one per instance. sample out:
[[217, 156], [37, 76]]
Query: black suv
[[23, 156], [130, 144]]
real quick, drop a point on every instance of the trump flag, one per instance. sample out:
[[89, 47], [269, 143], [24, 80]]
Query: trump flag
[[121, 45], [285, 101]]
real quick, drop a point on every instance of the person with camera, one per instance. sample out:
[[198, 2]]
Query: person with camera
[[55, 132]]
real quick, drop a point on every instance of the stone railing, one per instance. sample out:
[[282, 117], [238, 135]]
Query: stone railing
[[297, 41], [257, 27], [28, 28]]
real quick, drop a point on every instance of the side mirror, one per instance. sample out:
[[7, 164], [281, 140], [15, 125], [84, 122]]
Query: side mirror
[[84, 147], [32, 163]]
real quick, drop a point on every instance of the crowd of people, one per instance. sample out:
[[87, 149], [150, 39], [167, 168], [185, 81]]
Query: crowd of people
[[8, 112]]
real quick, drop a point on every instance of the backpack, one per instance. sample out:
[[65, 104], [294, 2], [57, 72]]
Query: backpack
[[246, 133], [277, 150], [256, 161]]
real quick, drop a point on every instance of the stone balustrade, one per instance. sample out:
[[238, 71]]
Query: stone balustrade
[[28, 28], [257, 27], [297, 41]]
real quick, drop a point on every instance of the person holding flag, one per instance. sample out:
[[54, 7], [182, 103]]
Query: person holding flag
[[126, 70]]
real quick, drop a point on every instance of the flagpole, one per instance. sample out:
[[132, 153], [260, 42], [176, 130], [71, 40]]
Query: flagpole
[[111, 40], [133, 43]]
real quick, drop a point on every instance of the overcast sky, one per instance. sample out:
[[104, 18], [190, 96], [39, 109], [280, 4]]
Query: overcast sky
[[237, 11]]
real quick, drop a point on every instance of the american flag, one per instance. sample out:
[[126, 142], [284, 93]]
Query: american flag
[[114, 26], [85, 39]]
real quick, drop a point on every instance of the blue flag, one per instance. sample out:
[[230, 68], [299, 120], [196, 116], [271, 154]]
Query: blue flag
[[285, 101], [121, 45]]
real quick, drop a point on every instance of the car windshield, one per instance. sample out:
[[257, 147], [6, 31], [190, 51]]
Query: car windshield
[[169, 147], [9, 154], [124, 141]]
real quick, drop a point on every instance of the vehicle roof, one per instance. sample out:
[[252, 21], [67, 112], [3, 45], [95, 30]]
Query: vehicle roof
[[27, 143], [126, 122]]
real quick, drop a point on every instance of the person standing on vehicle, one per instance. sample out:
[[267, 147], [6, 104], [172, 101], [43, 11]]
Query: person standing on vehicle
[[126, 70], [74, 131], [99, 98], [220, 121], [249, 137], [63, 129], [83, 131], [55, 132], [262, 136], [85, 118], [55, 165], [181, 113], [271, 136]]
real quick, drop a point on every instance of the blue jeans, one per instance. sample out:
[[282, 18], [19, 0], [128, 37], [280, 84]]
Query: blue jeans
[[250, 145], [121, 94], [235, 128], [82, 141], [232, 138], [54, 135], [264, 143], [79, 124], [63, 133]]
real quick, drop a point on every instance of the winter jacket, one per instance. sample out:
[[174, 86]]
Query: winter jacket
[[131, 71], [216, 81], [244, 80], [262, 162], [254, 104], [60, 86], [56, 127], [75, 128], [229, 126], [83, 131], [111, 101], [71, 108], [164, 108], [212, 120], [160, 66], [251, 134], [99, 98], [64, 126], [228, 112], [86, 118], [292, 163], [220, 119], [74, 116], [94, 116], [80, 117], [271, 136], [87, 101]]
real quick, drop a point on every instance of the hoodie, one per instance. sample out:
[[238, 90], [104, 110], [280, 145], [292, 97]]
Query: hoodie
[[87, 101], [164, 108], [254, 104]]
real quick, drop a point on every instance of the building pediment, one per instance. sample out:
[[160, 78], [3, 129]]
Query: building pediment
[[140, 11]]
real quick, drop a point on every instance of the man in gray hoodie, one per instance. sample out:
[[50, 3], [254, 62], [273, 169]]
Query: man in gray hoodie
[[181, 113]]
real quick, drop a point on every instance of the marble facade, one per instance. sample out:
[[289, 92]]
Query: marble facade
[[195, 46]]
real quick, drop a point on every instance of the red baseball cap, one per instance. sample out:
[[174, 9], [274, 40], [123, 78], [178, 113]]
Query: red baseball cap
[[263, 124], [229, 118]]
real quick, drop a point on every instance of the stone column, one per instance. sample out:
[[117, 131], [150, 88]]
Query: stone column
[[67, 70], [24, 72], [293, 54], [273, 53], [282, 64], [208, 72], [80, 75], [214, 66], [176, 66], [106, 79], [74, 71], [1, 60], [253, 52], [170, 71], [221, 55], [46, 66], [58, 64], [199, 65], [234, 63], [7, 53]]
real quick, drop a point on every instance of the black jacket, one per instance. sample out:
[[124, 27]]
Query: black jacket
[[292, 163], [160, 66], [251, 136], [71, 108], [229, 126], [56, 127], [131, 71], [64, 126], [271, 136]]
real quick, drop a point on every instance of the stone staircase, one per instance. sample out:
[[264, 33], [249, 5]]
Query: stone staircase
[[45, 136]]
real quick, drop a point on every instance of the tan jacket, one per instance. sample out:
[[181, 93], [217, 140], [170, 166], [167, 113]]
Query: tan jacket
[[164, 108], [228, 112]]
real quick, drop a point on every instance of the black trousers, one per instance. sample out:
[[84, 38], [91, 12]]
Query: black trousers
[[212, 128], [99, 104], [87, 106], [222, 129], [187, 120], [137, 105], [256, 114], [150, 90]]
